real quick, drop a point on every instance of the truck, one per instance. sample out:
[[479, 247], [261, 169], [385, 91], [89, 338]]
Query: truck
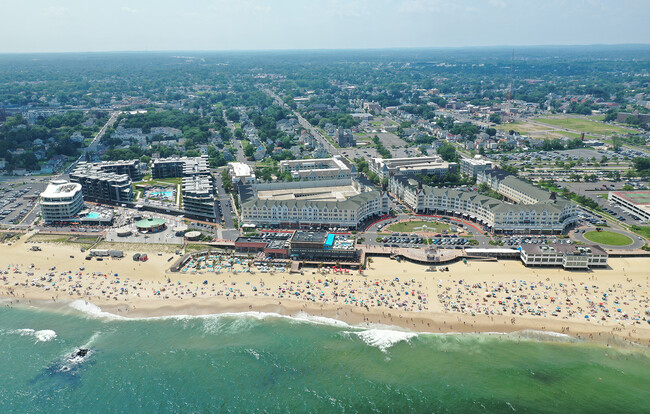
[[99, 252]]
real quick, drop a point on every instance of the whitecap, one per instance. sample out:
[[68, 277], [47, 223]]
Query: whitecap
[[92, 310], [543, 336], [45, 335], [23, 332], [384, 338], [319, 320]]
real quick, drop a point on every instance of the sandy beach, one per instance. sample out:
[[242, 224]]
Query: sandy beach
[[606, 305]]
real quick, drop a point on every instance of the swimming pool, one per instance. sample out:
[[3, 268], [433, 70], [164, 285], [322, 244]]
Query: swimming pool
[[93, 215], [330, 240], [161, 194]]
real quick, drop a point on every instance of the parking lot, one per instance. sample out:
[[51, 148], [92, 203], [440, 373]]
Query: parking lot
[[405, 240], [18, 201], [516, 241]]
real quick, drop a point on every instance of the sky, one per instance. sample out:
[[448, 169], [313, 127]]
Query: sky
[[147, 25]]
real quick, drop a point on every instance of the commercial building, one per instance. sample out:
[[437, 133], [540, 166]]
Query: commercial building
[[637, 202], [241, 173], [498, 216], [344, 138], [325, 203], [317, 246], [411, 166], [150, 225], [308, 246], [101, 186], [474, 166], [198, 196], [61, 201], [180, 167], [568, 256], [335, 168], [271, 244]]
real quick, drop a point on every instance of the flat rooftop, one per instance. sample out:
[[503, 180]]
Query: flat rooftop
[[310, 237], [61, 189], [240, 169], [641, 197], [562, 248], [339, 193]]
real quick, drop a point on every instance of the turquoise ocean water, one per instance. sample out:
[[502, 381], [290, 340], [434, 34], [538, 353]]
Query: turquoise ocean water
[[266, 363]]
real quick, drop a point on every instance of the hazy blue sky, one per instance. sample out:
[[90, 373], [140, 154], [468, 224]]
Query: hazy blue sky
[[112, 25]]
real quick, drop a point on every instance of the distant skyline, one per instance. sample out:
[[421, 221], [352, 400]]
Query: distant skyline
[[158, 25]]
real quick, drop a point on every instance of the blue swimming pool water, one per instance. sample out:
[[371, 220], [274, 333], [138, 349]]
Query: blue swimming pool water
[[330, 240], [161, 194], [92, 215]]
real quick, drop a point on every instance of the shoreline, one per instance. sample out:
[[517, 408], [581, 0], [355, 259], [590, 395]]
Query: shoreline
[[354, 317], [603, 305]]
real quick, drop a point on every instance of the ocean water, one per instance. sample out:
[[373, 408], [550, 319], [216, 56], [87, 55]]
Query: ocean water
[[268, 363]]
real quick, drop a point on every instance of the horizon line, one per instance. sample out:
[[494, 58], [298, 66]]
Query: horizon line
[[379, 48]]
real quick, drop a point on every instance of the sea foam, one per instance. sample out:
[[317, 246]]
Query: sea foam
[[93, 310], [384, 338], [44, 335]]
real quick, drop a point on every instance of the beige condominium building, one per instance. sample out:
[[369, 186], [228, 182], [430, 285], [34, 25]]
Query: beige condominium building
[[550, 216], [324, 203]]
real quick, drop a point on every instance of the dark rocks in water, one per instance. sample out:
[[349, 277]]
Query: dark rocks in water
[[80, 353]]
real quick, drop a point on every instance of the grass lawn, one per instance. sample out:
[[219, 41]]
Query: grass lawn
[[576, 135], [411, 226], [608, 237], [522, 127], [167, 181], [161, 181], [584, 125], [642, 230], [140, 247], [79, 241]]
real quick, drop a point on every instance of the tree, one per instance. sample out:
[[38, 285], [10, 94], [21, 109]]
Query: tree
[[239, 133], [495, 118], [448, 152], [249, 150], [642, 166], [510, 168]]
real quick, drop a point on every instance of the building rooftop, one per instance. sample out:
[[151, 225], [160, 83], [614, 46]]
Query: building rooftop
[[552, 248], [61, 188], [310, 237], [522, 186], [240, 169], [149, 223], [641, 197]]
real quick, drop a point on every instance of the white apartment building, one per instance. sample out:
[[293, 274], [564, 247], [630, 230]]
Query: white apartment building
[[498, 216], [326, 203], [473, 166], [513, 188], [316, 169], [411, 166], [241, 173], [61, 201]]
